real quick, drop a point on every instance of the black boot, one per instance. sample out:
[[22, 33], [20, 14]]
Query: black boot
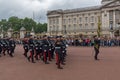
[[59, 67], [11, 55], [28, 59], [33, 60], [47, 63], [63, 63]]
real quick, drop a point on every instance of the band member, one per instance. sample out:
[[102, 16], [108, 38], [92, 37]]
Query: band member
[[96, 47], [58, 51], [31, 48], [25, 46]]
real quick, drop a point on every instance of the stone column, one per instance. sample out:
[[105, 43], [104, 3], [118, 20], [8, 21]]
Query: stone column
[[114, 19], [22, 32], [61, 24], [48, 26], [22, 35], [9, 32], [32, 32]]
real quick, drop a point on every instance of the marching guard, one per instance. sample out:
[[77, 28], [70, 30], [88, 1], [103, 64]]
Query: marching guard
[[58, 51], [25, 46], [31, 49], [38, 49], [45, 47], [1, 46], [11, 47]]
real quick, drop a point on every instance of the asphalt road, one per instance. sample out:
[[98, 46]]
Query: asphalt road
[[80, 65]]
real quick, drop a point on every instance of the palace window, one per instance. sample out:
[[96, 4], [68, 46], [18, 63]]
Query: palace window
[[80, 26], [64, 21], [57, 28], [80, 19], [53, 28], [57, 21], [111, 15], [74, 27], [92, 19], [86, 26], [53, 21], [69, 20], [69, 27], [86, 19], [92, 25], [75, 20]]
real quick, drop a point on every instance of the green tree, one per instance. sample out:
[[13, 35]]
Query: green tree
[[3, 24], [16, 23], [28, 23], [41, 28]]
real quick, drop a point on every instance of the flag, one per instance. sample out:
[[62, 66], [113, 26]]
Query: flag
[[99, 27]]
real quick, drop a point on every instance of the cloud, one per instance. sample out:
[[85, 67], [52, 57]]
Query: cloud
[[25, 8]]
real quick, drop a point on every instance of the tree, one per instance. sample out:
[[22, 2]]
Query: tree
[[16, 23], [41, 28], [3, 24]]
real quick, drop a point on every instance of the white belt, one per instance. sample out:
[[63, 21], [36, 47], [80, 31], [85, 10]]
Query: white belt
[[57, 47]]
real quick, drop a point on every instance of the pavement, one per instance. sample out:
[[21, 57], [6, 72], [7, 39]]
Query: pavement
[[80, 65]]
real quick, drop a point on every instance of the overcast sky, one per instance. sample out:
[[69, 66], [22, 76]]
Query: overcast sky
[[25, 8]]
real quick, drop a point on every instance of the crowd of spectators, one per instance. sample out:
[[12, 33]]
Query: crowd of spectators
[[104, 41]]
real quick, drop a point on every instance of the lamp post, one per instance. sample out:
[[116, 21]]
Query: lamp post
[[99, 27]]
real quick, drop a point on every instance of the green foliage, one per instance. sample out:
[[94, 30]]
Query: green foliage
[[16, 23], [41, 28]]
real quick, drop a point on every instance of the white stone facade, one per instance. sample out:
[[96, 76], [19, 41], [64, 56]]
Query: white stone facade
[[85, 20]]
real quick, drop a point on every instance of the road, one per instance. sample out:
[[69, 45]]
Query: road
[[80, 65]]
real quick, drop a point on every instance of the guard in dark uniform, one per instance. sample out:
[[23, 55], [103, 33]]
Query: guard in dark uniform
[[1, 46], [45, 47], [96, 47], [58, 51], [11, 47], [14, 43], [50, 49], [31, 49], [52, 42], [63, 49], [37, 49], [5, 45], [25, 46]]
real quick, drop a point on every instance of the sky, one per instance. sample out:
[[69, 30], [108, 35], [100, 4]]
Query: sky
[[39, 8]]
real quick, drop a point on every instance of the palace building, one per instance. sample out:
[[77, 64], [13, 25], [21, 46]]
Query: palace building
[[84, 21]]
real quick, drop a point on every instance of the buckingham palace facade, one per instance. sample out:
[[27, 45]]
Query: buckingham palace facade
[[85, 20]]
